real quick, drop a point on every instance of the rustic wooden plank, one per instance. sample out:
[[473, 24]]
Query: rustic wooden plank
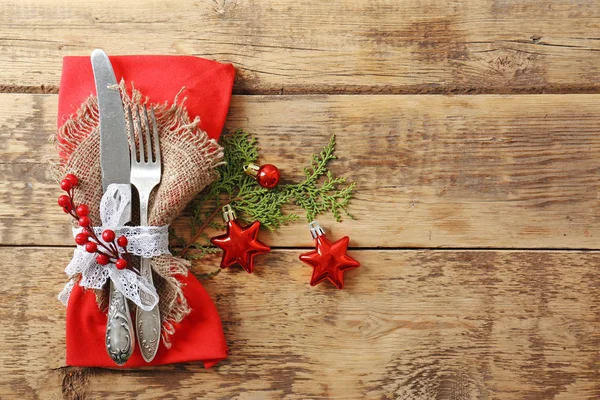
[[311, 46], [32, 328], [409, 324], [432, 171]]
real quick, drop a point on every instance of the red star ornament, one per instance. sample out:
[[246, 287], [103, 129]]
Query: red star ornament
[[240, 245], [329, 260]]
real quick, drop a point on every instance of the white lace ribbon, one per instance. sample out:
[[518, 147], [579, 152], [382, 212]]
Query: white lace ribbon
[[145, 241]]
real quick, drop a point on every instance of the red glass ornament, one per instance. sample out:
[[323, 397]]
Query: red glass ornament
[[83, 210], [91, 247], [64, 201], [102, 259], [266, 175], [121, 263], [108, 235], [239, 245], [122, 241], [66, 185], [73, 179], [329, 260], [81, 238]]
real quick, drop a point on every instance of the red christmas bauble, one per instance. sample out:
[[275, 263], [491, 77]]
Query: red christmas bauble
[[268, 176]]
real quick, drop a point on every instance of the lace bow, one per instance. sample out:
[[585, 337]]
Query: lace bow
[[145, 241]]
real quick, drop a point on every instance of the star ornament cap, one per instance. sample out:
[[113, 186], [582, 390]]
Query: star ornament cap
[[240, 244], [329, 260]]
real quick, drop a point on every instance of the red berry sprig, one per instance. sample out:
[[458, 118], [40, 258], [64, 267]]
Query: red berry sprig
[[107, 249]]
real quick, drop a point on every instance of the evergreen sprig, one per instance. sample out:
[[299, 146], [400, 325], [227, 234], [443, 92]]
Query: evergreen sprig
[[319, 192]]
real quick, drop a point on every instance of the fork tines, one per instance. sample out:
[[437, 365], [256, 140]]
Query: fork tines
[[148, 145]]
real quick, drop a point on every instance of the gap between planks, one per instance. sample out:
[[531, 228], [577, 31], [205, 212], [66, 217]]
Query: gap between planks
[[356, 248], [363, 90]]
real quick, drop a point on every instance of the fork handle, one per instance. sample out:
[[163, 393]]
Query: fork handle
[[147, 322]]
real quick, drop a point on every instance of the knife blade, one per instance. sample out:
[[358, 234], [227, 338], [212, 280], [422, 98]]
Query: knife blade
[[114, 145], [115, 164]]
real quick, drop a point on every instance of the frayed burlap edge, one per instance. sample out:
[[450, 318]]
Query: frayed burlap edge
[[189, 161]]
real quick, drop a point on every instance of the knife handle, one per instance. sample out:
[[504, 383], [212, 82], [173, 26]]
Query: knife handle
[[120, 340]]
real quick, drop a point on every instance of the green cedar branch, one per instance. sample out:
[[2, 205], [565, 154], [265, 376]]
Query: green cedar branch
[[319, 192]]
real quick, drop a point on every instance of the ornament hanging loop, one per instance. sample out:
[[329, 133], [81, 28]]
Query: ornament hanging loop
[[251, 169], [315, 229], [228, 213]]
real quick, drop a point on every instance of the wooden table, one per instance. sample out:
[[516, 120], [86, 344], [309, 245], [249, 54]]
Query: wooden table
[[473, 132]]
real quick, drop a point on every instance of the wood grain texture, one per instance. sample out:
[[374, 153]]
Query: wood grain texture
[[503, 171], [408, 325], [311, 46], [432, 171]]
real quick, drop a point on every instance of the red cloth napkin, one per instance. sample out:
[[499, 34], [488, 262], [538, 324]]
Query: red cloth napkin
[[208, 84], [199, 337]]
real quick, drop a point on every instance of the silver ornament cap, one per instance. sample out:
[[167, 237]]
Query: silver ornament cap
[[315, 229]]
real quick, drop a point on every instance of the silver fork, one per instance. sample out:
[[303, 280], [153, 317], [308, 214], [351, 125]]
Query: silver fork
[[145, 175]]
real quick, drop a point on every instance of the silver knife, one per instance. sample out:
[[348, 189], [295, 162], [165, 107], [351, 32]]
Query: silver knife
[[115, 163]]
